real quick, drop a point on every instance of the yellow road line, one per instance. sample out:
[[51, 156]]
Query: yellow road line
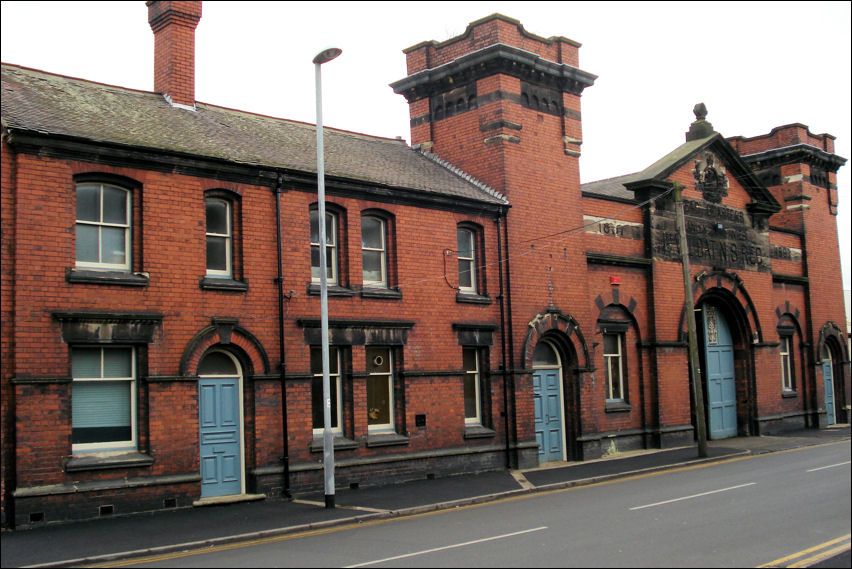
[[780, 562]]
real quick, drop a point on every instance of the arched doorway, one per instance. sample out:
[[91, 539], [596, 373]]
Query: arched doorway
[[828, 374], [548, 403], [719, 374], [220, 419]]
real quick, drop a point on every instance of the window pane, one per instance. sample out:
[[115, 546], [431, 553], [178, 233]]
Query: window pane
[[372, 261], [470, 407], [88, 202], [465, 239], [465, 274], [317, 402], [217, 217], [87, 243], [100, 411], [469, 359], [217, 363], [115, 206], [113, 245], [372, 233], [217, 254], [118, 362], [378, 400], [315, 263], [544, 355], [378, 360], [614, 378], [85, 362], [329, 229], [314, 227], [610, 344]]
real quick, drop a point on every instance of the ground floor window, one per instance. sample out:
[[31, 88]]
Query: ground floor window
[[335, 388], [103, 398], [472, 389], [380, 385], [787, 383], [614, 366]]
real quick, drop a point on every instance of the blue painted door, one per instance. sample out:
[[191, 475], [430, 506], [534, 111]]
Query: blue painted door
[[548, 414], [721, 384], [219, 420], [828, 381]]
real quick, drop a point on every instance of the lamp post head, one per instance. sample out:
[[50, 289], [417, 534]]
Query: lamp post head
[[327, 55]]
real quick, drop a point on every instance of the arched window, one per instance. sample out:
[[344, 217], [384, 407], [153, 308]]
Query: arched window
[[219, 237], [374, 252], [331, 225], [467, 259], [103, 229]]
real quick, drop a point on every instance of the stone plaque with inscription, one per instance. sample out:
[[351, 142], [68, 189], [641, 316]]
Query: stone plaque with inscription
[[717, 236]]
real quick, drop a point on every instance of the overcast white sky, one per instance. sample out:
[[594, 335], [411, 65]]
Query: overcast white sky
[[756, 65]]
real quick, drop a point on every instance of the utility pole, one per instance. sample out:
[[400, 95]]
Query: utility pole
[[689, 309]]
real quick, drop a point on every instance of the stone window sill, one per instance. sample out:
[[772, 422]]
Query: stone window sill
[[91, 276], [107, 460], [478, 432], [472, 298], [618, 406], [340, 443], [333, 290], [383, 293], [386, 439], [788, 393], [226, 284]]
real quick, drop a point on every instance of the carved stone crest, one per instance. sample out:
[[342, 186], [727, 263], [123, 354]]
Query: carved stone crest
[[710, 178]]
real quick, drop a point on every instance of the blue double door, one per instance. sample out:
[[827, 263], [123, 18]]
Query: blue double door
[[548, 414], [219, 422], [721, 390]]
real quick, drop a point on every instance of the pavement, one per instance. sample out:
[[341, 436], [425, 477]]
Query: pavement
[[116, 538]]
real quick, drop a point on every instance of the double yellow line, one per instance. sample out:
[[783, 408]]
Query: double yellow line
[[815, 554]]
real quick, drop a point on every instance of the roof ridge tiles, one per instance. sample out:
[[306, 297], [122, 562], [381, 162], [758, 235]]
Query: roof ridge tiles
[[462, 174]]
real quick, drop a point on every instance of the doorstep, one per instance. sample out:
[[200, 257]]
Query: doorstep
[[232, 499]]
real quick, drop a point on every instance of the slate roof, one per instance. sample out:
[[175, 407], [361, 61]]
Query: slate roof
[[47, 103], [610, 187]]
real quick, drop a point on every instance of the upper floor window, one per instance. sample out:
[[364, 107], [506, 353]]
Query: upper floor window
[[467, 259], [103, 398], [219, 238], [374, 252], [103, 227], [331, 223], [614, 366]]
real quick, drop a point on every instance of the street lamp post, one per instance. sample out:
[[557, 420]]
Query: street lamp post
[[327, 437]]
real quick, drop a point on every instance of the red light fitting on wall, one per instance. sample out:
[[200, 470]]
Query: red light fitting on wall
[[614, 281]]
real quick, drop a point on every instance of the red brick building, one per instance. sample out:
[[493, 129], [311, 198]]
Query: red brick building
[[160, 298]]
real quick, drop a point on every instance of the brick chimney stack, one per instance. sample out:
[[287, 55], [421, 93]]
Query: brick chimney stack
[[174, 25]]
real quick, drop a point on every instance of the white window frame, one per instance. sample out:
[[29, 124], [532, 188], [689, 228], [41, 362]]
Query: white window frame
[[614, 368], [100, 224], [469, 261], [473, 375], [335, 378], [786, 351], [384, 427], [329, 236], [383, 283], [131, 384], [228, 237]]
